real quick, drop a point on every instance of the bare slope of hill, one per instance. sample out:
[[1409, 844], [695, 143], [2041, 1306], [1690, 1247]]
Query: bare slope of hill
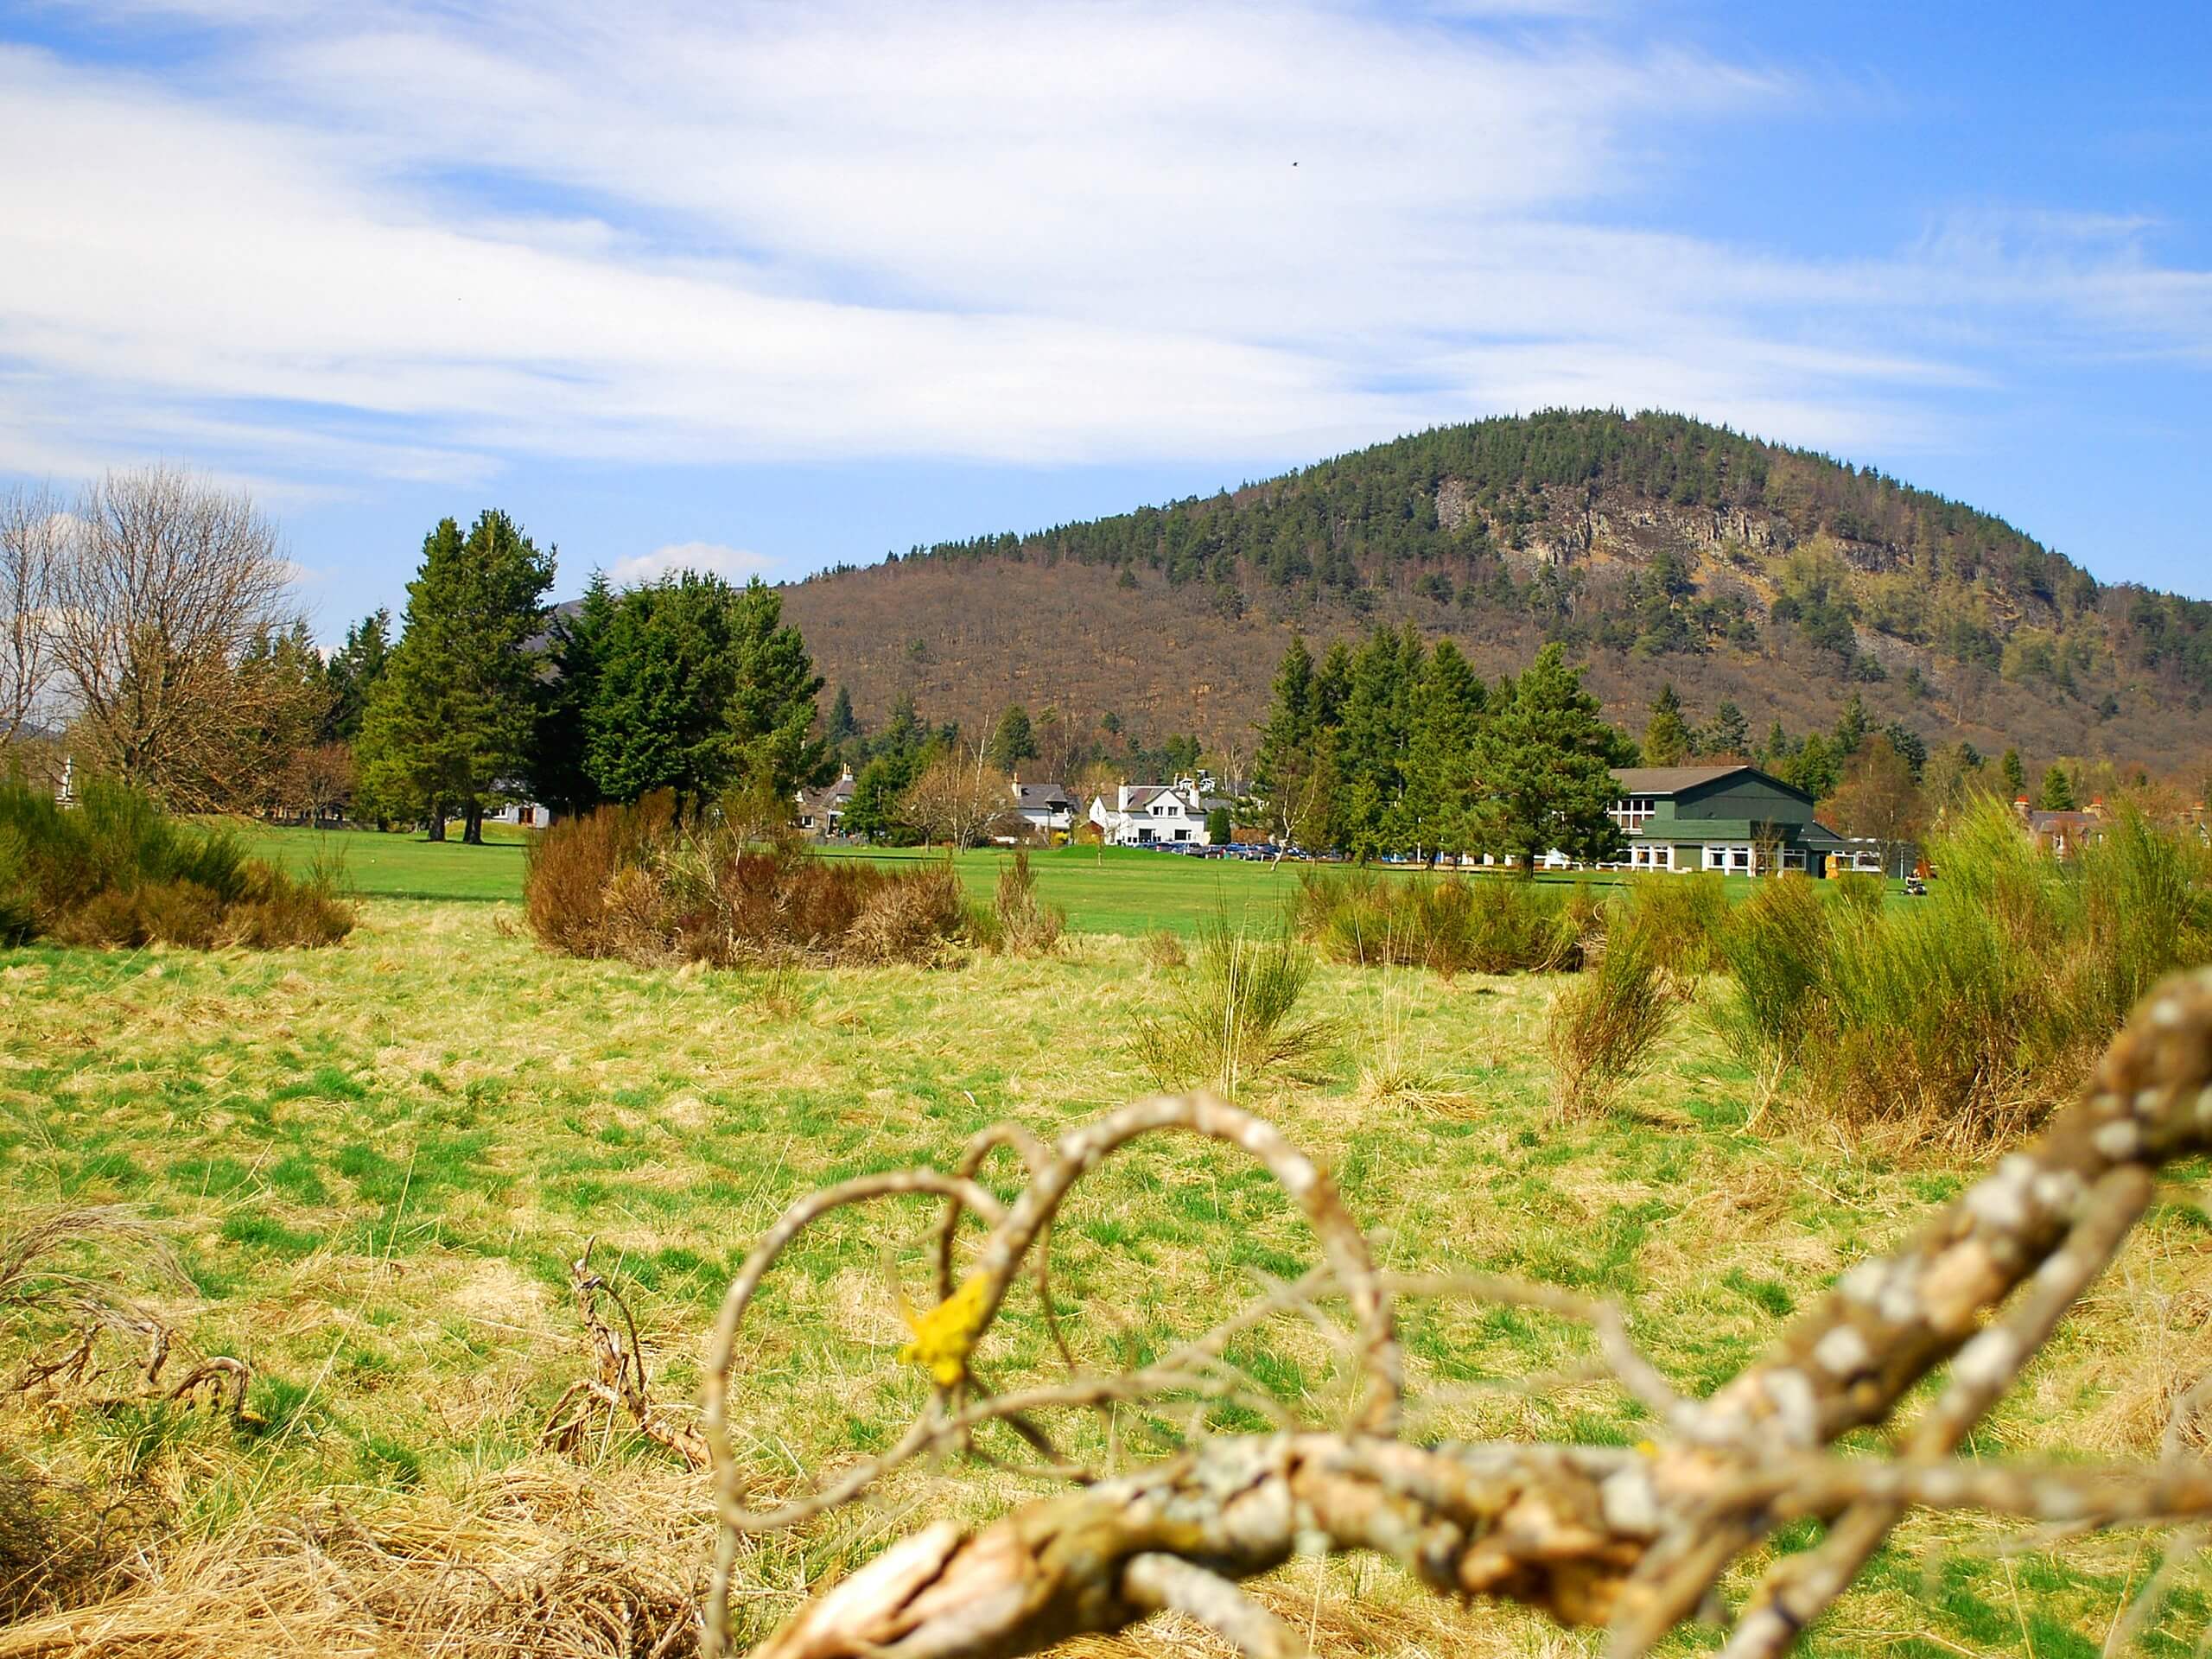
[[1655, 548]]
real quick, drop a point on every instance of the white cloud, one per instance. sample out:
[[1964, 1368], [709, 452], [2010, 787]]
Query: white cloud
[[398, 242], [705, 558]]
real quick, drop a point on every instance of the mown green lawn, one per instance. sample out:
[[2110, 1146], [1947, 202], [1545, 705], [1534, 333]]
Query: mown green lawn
[[1110, 890]]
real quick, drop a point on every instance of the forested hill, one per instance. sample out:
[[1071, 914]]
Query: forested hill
[[1656, 549]]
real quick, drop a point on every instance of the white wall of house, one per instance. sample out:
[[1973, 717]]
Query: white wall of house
[[1145, 815]]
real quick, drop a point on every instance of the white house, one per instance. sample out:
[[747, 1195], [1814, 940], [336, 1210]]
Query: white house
[[1045, 810], [1146, 814]]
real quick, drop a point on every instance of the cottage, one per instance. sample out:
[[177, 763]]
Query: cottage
[[1045, 811], [2062, 835], [822, 811], [1148, 815], [1733, 818]]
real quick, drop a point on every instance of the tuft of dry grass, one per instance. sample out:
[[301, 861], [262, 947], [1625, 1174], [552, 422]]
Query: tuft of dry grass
[[1606, 1023], [1235, 1017]]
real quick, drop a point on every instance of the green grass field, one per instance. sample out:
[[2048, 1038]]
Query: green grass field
[[376, 1161], [1115, 890]]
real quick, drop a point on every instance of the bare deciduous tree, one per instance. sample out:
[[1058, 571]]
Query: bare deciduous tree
[[168, 584], [33, 528], [1633, 1539], [959, 798]]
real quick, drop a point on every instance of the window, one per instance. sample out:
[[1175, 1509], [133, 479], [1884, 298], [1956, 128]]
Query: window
[[1632, 811]]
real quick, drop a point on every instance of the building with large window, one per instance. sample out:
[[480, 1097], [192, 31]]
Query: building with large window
[[1736, 819]]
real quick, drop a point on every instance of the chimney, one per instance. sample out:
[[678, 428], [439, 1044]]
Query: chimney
[[2020, 805]]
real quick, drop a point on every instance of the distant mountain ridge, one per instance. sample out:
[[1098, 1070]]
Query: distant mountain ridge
[[1655, 548]]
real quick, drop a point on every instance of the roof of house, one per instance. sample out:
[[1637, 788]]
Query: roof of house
[[1141, 794], [1041, 795], [1672, 780]]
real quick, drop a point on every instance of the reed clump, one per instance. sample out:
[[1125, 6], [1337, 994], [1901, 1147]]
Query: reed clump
[[1964, 1016], [1235, 1015], [1606, 1023], [116, 870], [1449, 925]]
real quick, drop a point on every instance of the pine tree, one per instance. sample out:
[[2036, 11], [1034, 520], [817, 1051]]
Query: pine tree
[[1372, 737], [2014, 771], [1666, 736], [1729, 736], [702, 688], [1013, 742], [351, 673], [557, 771], [2058, 791], [1851, 728], [1285, 781], [843, 726], [1542, 761], [1448, 707], [449, 724]]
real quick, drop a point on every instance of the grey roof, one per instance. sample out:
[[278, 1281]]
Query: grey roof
[[1041, 795], [1673, 780], [1139, 793]]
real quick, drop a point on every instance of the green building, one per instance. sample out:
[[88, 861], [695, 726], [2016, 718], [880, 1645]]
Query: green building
[[1732, 818]]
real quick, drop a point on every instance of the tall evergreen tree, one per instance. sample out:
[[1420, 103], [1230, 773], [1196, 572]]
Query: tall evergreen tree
[[1435, 811], [1666, 735], [843, 726], [1013, 742], [1543, 763], [1372, 737], [1729, 736], [2058, 791], [1287, 781], [2014, 771], [352, 672], [702, 687], [558, 772], [1851, 728], [448, 725]]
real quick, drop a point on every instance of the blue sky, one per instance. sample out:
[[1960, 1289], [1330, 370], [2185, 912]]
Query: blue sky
[[771, 286]]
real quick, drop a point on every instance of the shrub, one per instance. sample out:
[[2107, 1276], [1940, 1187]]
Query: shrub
[[1450, 925], [1964, 1015], [1776, 946], [1016, 923], [118, 871], [1164, 952], [637, 882], [1605, 1024], [1681, 919], [1233, 1018]]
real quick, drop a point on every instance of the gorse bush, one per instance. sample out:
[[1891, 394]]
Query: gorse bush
[[1233, 1016], [1606, 1023], [1967, 1014], [637, 883], [1017, 922], [1450, 925], [116, 870], [1681, 921]]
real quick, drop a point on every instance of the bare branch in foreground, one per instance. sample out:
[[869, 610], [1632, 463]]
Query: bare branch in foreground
[[1635, 1540], [619, 1385]]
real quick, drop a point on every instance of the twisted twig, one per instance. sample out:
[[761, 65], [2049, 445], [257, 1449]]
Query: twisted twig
[[1632, 1538]]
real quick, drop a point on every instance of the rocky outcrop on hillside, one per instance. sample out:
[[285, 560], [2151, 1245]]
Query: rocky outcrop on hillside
[[1657, 548]]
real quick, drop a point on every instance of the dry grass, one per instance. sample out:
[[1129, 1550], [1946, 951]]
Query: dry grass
[[377, 1161]]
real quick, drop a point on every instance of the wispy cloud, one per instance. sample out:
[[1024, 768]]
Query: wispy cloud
[[705, 558], [406, 242]]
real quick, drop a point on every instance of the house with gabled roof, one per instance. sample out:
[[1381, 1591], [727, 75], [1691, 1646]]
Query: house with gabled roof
[[822, 811], [1044, 809], [1732, 818], [1150, 815]]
